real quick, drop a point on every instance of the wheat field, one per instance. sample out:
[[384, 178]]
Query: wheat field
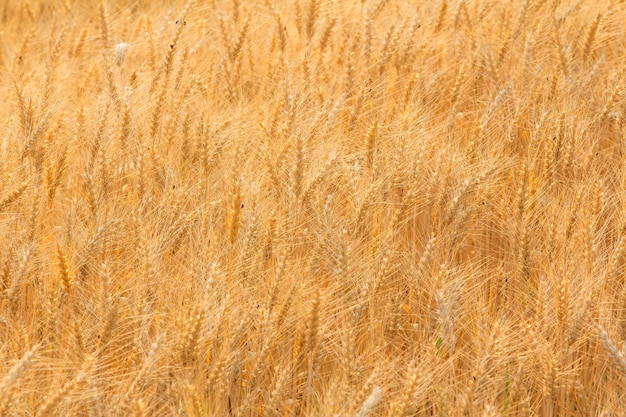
[[312, 208]]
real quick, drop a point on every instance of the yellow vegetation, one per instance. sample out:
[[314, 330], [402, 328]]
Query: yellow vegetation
[[312, 208]]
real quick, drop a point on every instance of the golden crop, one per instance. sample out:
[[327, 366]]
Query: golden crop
[[312, 208]]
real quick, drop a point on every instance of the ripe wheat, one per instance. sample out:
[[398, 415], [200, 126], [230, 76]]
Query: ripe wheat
[[312, 207]]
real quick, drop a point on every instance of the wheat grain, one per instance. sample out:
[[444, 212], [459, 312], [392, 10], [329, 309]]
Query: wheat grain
[[14, 373], [313, 207]]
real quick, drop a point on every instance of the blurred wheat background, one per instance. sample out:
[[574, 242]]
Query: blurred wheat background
[[312, 208]]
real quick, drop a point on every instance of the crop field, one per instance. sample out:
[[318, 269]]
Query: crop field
[[312, 208]]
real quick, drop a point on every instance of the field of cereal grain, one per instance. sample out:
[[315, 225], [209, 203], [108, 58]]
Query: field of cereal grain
[[312, 208]]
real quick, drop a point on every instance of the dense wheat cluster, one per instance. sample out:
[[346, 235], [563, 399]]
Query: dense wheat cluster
[[312, 208]]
